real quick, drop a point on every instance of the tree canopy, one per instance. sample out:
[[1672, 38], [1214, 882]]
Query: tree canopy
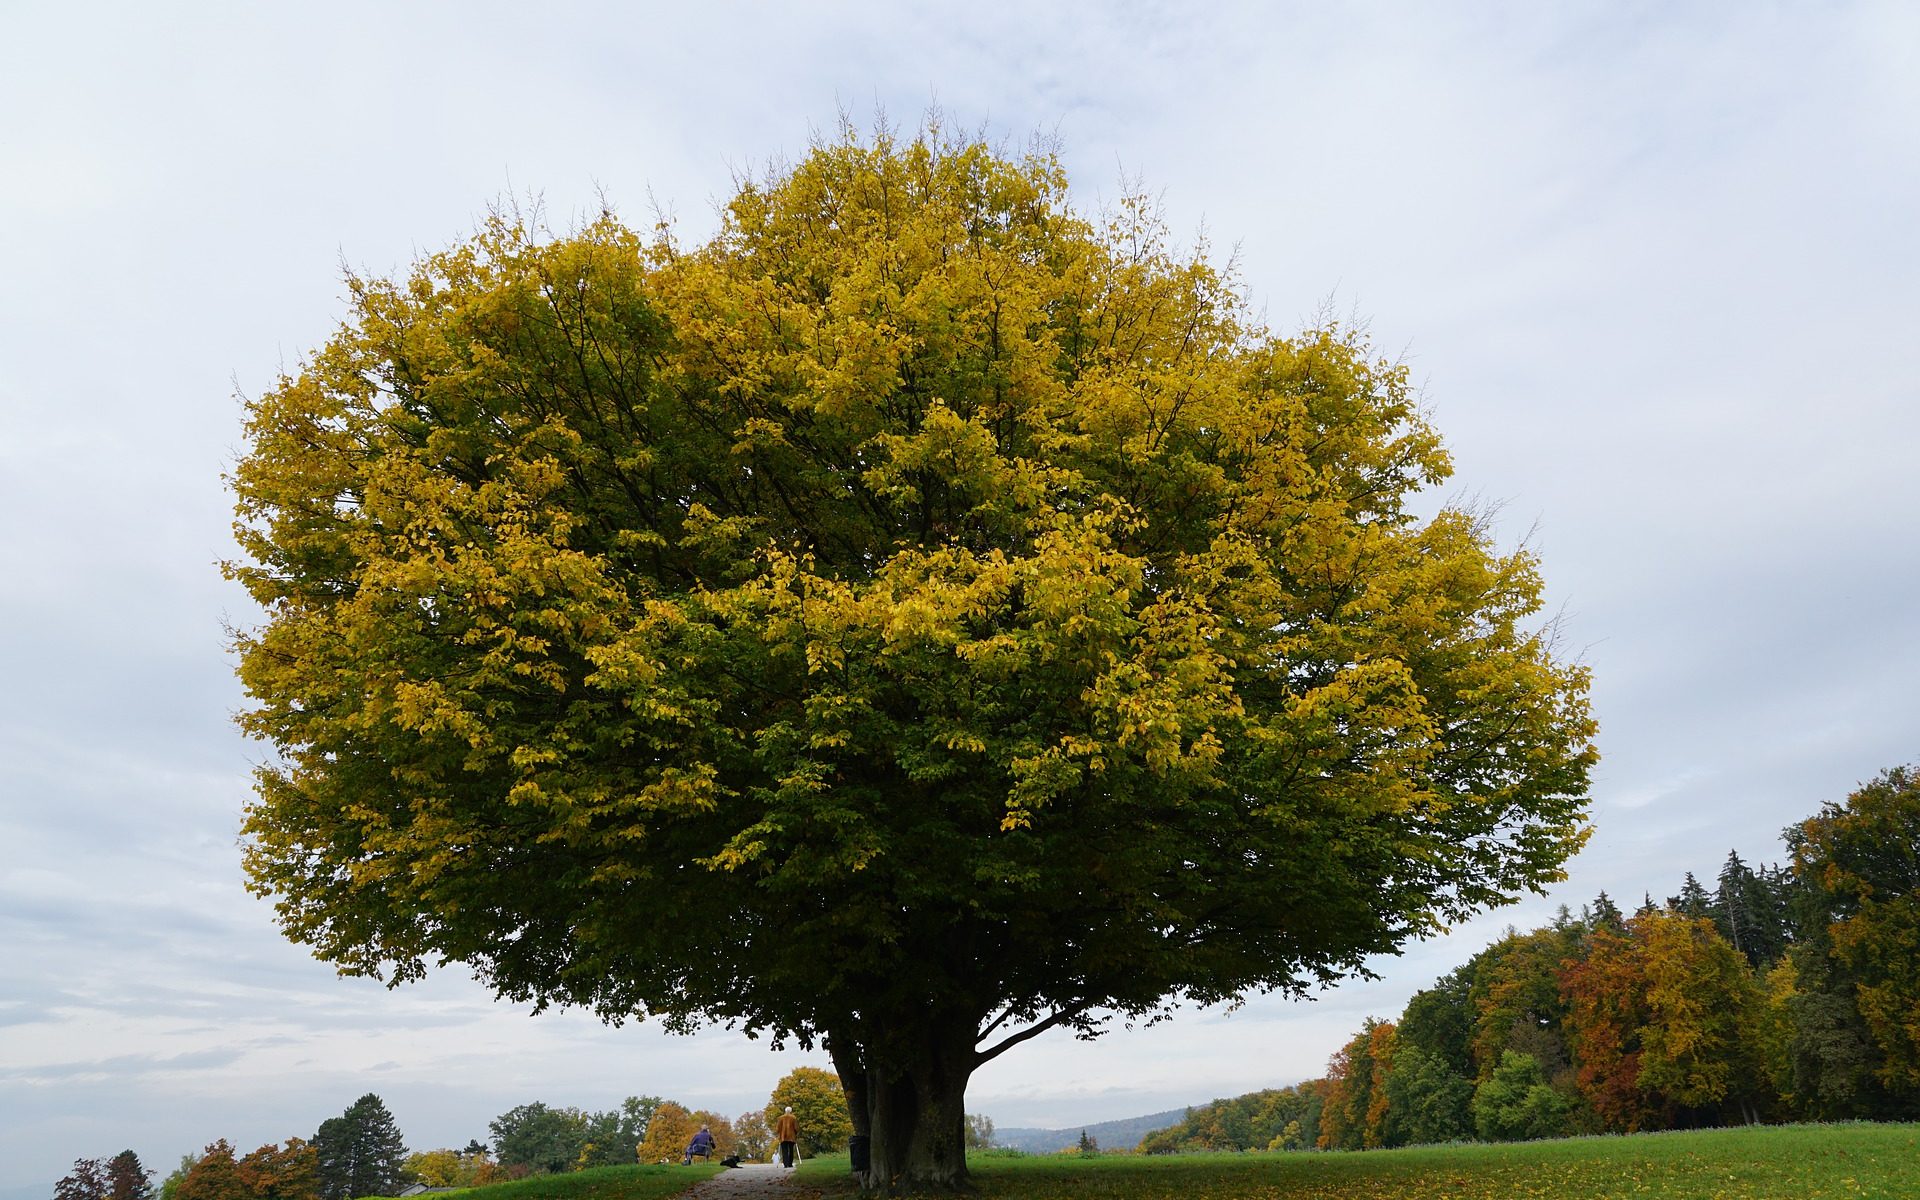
[[87, 1181], [961, 604], [538, 1137], [214, 1176], [1789, 997], [1859, 862]]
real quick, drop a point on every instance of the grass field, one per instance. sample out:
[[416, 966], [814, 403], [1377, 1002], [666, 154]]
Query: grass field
[[600, 1183], [1793, 1162]]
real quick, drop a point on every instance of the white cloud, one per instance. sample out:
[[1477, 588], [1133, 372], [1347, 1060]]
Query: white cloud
[[1654, 268]]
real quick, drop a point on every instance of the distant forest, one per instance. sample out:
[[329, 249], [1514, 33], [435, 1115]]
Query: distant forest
[[1787, 992]]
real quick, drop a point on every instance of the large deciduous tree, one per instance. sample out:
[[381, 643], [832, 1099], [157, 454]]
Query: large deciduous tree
[[612, 1136], [962, 602], [668, 1133], [1858, 864], [538, 1138], [1515, 1103], [1517, 1000], [751, 1136], [215, 1176], [449, 1168], [1606, 995], [282, 1172], [87, 1181], [819, 1104], [1356, 1105], [1703, 1005]]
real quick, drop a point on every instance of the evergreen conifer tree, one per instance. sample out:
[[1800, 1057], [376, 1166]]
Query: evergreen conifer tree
[[127, 1179], [361, 1152], [1734, 915], [1693, 900], [1605, 914]]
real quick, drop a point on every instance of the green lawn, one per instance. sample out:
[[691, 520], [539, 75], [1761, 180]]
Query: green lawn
[[1793, 1162], [600, 1183]]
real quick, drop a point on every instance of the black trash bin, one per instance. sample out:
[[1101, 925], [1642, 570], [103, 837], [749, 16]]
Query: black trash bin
[[857, 1151]]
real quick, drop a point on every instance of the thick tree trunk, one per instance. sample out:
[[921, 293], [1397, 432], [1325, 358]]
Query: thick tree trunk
[[913, 1114]]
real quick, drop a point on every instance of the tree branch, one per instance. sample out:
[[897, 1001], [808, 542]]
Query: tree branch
[[1006, 1014], [1034, 1030]]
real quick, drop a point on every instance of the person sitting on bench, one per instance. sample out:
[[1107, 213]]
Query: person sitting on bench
[[702, 1145]]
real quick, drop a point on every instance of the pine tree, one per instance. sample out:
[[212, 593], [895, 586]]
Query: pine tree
[[127, 1179], [334, 1146], [1603, 913], [1693, 900], [361, 1152], [1750, 911], [1774, 891], [1733, 918]]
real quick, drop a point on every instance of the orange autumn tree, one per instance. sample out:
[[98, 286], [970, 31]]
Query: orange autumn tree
[[725, 1141], [1380, 1048], [1664, 1016], [215, 1176], [1339, 1130], [282, 1172], [1606, 993], [1355, 1113]]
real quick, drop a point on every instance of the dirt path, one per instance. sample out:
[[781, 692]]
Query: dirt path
[[752, 1179]]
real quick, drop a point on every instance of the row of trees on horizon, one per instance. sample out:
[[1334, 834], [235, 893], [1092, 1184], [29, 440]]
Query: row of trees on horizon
[[361, 1152], [1783, 993]]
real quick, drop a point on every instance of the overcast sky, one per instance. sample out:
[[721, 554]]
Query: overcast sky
[[1653, 264]]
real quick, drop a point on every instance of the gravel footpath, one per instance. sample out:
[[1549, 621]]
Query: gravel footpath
[[750, 1179]]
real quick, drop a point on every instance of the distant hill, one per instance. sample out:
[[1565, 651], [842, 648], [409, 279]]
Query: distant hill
[[1112, 1135]]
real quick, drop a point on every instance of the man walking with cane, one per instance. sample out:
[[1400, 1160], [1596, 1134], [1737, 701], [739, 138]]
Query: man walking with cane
[[787, 1129]]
